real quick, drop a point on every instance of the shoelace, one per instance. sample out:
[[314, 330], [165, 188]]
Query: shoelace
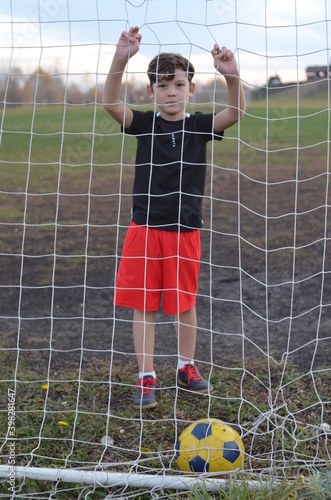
[[192, 373], [146, 386]]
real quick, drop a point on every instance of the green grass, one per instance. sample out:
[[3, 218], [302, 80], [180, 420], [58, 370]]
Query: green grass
[[78, 413], [53, 149], [74, 152], [80, 136]]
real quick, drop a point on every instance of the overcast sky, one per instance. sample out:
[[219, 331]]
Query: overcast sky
[[78, 36]]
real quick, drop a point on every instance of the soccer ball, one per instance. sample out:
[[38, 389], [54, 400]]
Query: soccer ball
[[209, 445]]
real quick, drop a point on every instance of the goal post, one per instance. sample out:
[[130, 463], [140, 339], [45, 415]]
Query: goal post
[[68, 369]]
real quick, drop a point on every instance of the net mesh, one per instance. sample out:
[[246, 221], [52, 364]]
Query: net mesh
[[68, 368]]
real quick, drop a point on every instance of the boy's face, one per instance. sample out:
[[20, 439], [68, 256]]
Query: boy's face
[[171, 96]]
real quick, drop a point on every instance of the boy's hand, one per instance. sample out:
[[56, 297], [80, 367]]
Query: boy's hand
[[224, 61], [128, 44]]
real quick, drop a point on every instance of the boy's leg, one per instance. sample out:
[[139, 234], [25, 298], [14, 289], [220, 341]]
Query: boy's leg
[[188, 375], [186, 329], [144, 340]]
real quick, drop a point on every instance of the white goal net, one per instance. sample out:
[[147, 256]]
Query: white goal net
[[68, 370]]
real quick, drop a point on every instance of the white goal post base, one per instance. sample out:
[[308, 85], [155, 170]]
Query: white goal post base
[[117, 479]]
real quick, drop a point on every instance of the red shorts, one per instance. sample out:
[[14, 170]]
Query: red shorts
[[158, 263]]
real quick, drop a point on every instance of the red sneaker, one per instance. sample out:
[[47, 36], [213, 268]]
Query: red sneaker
[[145, 393], [190, 378]]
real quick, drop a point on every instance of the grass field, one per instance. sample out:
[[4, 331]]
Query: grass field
[[60, 174]]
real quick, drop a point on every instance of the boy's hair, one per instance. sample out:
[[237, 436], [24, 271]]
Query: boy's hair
[[164, 65]]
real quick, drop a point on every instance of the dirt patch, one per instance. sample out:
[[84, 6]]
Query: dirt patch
[[264, 288]]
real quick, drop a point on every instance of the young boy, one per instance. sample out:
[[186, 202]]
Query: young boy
[[161, 252]]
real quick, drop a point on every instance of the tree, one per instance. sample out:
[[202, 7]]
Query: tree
[[74, 94], [11, 87], [41, 87]]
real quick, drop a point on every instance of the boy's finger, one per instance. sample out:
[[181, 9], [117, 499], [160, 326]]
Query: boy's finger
[[133, 30]]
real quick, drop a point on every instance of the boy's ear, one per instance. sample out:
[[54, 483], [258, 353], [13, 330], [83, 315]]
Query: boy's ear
[[192, 89], [150, 91]]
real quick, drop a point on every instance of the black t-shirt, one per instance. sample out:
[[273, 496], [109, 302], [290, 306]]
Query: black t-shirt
[[169, 185]]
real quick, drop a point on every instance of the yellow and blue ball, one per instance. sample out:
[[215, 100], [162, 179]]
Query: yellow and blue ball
[[209, 445]]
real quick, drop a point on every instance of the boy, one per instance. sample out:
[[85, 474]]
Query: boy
[[161, 251]]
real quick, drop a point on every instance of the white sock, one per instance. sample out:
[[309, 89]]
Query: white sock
[[183, 362], [144, 374]]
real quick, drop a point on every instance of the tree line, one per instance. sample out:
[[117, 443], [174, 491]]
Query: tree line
[[42, 87]]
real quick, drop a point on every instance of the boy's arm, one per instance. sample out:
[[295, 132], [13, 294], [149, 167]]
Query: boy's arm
[[225, 63], [127, 46]]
